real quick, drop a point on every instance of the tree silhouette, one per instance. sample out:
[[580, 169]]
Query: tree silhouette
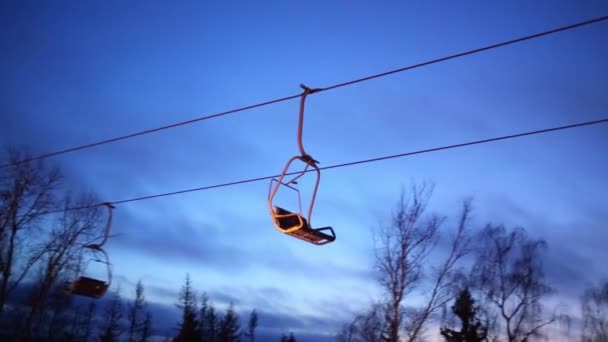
[[401, 257], [188, 326], [87, 327], [507, 277], [136, 313], [290, 338], [59, 308], [208, 320], [367, 326], [27, 190], [61, 253], [348, 332], [471, 329], [146, 329], [111, 330], [81, 325], [229, 327], [595, 313], [252, 324], [509, 273]]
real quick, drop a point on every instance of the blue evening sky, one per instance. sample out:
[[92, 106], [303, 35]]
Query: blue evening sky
[[75, 72]]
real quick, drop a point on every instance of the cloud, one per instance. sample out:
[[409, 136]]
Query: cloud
[[185, 240], [575, 253], [271, 324], [166, 317]]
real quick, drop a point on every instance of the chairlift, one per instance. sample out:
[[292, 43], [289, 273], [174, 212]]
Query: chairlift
[[294, 223], [92, 287]]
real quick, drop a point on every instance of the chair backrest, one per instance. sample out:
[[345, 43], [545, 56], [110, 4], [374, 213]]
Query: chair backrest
[[281, 211], [288, 222]]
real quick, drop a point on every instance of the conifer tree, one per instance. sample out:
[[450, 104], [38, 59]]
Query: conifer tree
[[290, 338], [202, 314], [471, 328], [210, 323], [136, 312], [253, 323], [114, 312], [188, 327], [229, 328], [146, 330], [87, 322]]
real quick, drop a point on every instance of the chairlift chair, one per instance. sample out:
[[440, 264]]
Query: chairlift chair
[[294, 223], [92, 287]]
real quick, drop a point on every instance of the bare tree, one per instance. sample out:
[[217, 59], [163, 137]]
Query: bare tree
[[348, 332], [442, 278], [59, 305], [75, 324], [27, 191], [509, 273], [371, 324], [62, 253], [595, 313], [87, 322], [366, 327], [405, 246]]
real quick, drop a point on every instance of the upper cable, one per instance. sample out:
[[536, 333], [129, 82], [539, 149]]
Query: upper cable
[[335, 86]]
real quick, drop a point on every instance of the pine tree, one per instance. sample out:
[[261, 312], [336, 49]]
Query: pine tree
[[60, 307], [210, 324], [229, 328], [253, 323], [472, 330], [87, 324], [290, 338], [111, 330], [202, 314], [146, 329], [136, 310], [188, 327], [207, 320]]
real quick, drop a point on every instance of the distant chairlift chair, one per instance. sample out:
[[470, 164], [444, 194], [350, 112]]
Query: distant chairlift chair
[[91, 287]]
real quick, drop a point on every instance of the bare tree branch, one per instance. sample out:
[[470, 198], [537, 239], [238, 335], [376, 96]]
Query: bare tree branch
[[509, 273], [441, 291], [62, 252], [402, 263], [26, 191], [594, 307]]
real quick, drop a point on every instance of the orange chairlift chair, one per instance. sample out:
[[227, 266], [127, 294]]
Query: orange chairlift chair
[[92, 287], [294, 223]]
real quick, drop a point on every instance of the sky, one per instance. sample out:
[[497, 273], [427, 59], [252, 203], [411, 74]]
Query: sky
[[77, 72]]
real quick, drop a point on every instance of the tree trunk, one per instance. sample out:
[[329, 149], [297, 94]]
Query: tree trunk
[[6, 272]]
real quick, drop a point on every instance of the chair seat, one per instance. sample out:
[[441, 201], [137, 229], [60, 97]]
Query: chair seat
[[315, 236], [306, 233], [89, 287]]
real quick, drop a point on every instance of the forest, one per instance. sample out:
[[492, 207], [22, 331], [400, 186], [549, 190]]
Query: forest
[[437, 278]]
